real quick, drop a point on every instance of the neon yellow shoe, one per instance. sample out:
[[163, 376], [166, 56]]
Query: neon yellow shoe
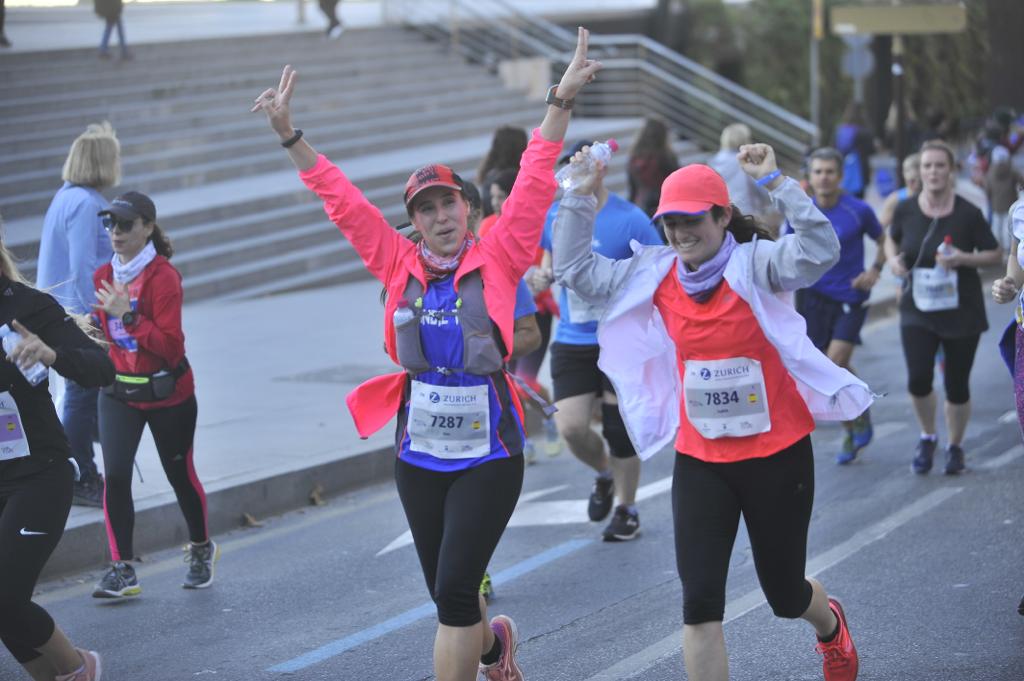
[[486, 588]]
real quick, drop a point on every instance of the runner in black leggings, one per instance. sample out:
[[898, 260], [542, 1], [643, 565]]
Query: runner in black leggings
[[448, 323], [943, 304], [139, 310], [704, 352], [36, 474]]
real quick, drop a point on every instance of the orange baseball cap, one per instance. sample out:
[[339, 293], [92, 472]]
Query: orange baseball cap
[[433, 175], [692, 190]]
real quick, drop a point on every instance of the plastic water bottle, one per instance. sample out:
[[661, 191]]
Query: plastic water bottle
[[403, 314], [570, 176], [945, 249], [36, 373]]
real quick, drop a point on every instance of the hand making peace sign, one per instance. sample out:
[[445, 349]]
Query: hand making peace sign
[[275, 103]]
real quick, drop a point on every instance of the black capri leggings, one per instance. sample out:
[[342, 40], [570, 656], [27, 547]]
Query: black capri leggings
[[919, 348], [456, 520], [33, 511], [775, 495], [173, 430]]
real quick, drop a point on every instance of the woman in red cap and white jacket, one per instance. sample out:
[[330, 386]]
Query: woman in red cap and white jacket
[[706, 352], [448, 323]]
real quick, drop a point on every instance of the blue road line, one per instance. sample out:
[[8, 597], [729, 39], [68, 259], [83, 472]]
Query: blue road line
[[406, 618]]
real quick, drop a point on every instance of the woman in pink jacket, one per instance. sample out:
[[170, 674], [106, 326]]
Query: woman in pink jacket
[[449, 325]]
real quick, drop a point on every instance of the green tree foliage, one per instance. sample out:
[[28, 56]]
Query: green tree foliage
[[765, 46], [946, 73]]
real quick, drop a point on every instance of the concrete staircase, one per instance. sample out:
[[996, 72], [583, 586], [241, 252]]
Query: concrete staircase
[[380, 102]]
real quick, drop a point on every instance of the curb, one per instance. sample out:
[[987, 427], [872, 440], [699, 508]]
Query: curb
[[159, 525]]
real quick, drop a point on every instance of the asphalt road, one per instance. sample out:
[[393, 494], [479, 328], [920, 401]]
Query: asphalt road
[[929, 568]]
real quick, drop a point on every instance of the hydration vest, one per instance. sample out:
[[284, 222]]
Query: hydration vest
[[481, 352]]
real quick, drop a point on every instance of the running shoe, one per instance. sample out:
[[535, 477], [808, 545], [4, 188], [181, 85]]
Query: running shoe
[[847, 452], [201, 560], [505, 669], [601, 498], [91, 669], [863, 431], [954, 460], [118, 582], [552, 440], [922, 463], [623, 526], [486, 588], [529, 453], [840, 654]]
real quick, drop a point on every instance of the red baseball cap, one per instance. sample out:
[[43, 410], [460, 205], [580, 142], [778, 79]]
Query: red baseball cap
[[692, 190], [433, 175]]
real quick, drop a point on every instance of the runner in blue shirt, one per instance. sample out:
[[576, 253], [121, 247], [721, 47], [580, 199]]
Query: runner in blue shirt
[[577, 380], [834, 306]]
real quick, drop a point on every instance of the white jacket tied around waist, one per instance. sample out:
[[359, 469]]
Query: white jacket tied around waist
[[636, 352]]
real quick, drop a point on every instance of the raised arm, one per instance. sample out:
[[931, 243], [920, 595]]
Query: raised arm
[[360, 221], [276, 105], [799, 259], [518, 230], [592, 276], [579, 72]]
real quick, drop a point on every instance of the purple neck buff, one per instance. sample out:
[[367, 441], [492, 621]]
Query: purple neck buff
[[701, 284]]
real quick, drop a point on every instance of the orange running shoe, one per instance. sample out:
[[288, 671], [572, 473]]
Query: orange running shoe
[[840, 653]]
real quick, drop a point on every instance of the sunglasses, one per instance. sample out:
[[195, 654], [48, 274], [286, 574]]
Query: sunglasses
[[110, 223]]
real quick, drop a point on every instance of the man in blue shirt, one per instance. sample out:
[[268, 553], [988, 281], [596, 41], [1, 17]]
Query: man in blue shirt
[[834, 306], [578, 383]]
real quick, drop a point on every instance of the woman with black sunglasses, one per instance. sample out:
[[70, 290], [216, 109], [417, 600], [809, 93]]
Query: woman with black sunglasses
[[139, 311]]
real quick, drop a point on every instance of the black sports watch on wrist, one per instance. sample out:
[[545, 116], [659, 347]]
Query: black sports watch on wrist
[[558, 101], [129, 318]]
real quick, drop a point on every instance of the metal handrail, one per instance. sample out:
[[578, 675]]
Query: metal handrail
[[689, 97]]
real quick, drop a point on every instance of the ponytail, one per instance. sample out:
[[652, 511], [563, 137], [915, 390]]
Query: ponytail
[[743, 227], [161, 242]]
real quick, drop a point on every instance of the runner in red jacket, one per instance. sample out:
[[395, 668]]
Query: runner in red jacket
[[139, 312], [449, 324]]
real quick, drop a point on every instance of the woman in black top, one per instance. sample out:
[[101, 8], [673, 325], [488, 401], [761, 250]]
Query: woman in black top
[[36, 473], [943, 304]]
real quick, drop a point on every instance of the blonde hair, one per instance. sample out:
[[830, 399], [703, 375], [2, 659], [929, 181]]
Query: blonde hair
[[95, 158], [735, 136], [8, 263], [912, 163]]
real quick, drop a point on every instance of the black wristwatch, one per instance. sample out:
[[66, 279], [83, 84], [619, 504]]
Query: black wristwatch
[[558, 101], [129, 318]]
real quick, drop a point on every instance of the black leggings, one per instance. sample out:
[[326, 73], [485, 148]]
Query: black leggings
[[775, 495], [919, 348], [456, 520], [35, 503], [173, 429]]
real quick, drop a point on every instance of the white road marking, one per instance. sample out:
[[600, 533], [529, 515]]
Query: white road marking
[[530, 512], [634, 665], [1006, 457]]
